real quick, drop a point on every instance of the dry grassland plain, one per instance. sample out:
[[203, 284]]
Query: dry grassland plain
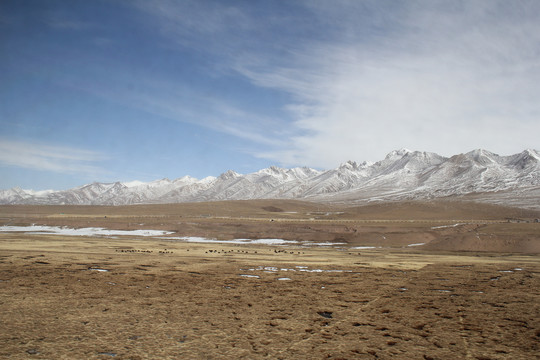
[[471, 291]]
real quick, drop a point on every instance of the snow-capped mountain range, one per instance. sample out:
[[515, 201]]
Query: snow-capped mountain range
[[403, 174]]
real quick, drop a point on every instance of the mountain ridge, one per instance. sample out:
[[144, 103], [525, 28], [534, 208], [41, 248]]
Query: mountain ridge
[[402, 175]]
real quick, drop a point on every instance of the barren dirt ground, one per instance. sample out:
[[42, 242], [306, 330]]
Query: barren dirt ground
[[66, 297]]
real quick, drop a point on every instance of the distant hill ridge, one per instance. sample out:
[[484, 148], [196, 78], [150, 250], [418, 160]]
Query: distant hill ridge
[[402, 175]]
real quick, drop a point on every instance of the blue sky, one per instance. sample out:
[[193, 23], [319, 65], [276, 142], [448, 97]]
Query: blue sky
[[142, 90]]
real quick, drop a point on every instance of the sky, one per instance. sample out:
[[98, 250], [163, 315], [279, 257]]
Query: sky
[[113, 90]]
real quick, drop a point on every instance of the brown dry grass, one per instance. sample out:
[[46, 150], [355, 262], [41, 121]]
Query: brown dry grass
[[187, 302]]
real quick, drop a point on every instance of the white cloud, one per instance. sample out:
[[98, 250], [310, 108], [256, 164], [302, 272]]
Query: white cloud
[[444, 78], [60, 159], [365, 77]]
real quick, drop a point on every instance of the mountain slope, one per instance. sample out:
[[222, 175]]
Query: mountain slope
[[403, 174]]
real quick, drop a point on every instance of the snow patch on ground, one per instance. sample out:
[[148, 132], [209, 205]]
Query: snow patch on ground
[[323, 243], [234, 241], [446, 226], [196, 239], [56, 230], [271, 269]]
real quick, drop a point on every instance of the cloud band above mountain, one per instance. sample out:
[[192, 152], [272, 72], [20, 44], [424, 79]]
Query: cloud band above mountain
[[59, 159]]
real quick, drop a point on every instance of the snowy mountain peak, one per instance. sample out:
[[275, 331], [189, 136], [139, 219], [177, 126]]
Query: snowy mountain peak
[[304, 172], [17, 190], [207, 180], [134, 183], [161, 182], [532, 153], [38, 193], [366, 164], [482, 157], [230, 174], [478, 153], [349, 165], [272, 170], [526, 159], [427, 158], [398, 153], [186, 180]]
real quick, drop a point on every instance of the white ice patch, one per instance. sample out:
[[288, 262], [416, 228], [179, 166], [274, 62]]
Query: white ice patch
[[363, 247], [417, 244], [270, 241], [323, 243], [284, 279], [250, 276], [446, 226], [195, 239], [271, 269], [56, 230]]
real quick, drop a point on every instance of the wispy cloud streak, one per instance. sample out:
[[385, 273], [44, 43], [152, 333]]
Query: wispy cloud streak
[[58, 159], [178, 102]]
